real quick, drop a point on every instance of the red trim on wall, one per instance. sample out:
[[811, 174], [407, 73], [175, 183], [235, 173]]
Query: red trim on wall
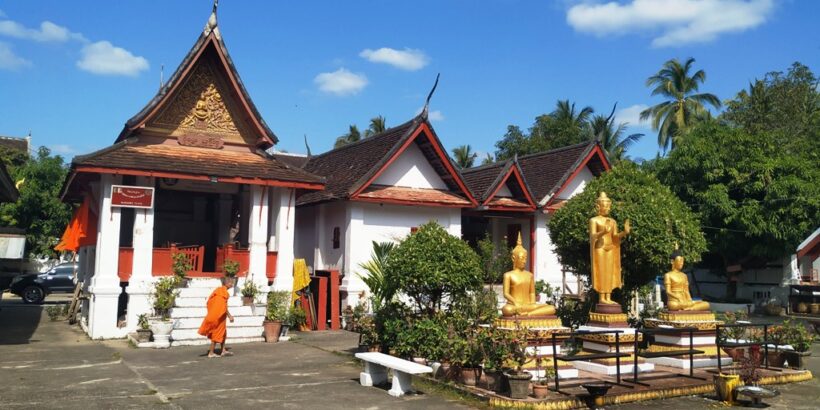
[[597, 150], [444, 159], [194, 177]]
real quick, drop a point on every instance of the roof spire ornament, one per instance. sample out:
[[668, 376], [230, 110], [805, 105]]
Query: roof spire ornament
[[211, 25], [425, 110]]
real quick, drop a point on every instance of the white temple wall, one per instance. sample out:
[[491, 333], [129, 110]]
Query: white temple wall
[[411, 169], [577, 184]]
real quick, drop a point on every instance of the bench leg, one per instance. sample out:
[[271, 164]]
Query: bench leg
[[373, 374], [402, 383]]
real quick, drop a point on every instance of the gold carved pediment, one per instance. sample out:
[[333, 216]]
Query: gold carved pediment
[[199, 107]]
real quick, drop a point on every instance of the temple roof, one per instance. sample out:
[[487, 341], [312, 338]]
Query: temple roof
[[351, 169], [209, 44], [544, 173], [14, 143], [131, 157]]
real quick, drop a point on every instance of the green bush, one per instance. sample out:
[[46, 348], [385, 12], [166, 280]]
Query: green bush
[[426, 337], [431, 266], [659, 220], [277, 306], [164, 296]]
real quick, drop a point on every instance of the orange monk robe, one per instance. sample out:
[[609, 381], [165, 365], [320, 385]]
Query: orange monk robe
[[214, 326]]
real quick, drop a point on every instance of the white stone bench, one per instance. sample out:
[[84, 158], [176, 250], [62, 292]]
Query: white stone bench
[[375, 372]]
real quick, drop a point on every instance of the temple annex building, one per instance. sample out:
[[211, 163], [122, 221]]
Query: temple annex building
[[193, 173]]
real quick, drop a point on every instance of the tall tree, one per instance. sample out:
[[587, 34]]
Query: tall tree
[[611, 136], [683, 107], [464, 156], [488, 159], [352, 135], [39, 210], [377, 125], [565, 125]]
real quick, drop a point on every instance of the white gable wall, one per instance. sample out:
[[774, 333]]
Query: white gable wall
[[385, 223], [411, 169], [577, 184], [504, 191]]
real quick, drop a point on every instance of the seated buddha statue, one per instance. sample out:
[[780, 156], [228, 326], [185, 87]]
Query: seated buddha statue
[[677, 287], [519, 288]]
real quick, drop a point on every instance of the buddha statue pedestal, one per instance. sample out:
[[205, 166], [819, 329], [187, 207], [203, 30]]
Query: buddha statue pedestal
[[609, 317], [703, 339], [539, 343]]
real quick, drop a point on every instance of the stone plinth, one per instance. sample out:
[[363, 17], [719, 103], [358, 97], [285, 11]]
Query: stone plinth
[[529, 322], [702, 339], [539, 343], [606, 343]]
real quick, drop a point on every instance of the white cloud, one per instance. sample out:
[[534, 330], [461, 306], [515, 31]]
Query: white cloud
[[341, 82], [9, 60], [63, 149], [631, 115], [104, 58], [407, 59], [673, 22], [48, 32]]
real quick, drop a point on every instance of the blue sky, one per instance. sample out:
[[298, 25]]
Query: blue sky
[[74, 72]]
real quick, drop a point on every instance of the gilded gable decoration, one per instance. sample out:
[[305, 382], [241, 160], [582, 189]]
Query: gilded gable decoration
[[199, 106]]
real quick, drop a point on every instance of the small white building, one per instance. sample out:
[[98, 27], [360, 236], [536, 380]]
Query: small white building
[[520, 195], [378, 189]]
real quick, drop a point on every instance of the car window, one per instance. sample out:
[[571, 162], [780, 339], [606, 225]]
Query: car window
[[64, 270]]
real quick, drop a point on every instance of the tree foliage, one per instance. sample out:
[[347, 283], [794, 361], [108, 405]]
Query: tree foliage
[[464, 156], [352, 135], [431, 266], [39, 210], [683, 107], [611, 136], [565, 125], [659, 219], [754, 198]]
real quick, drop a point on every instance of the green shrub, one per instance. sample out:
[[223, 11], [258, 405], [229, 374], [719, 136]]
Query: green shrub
[[431, 266], [277, 306], [142, 322], [180, 266], [164, 296], [380, 290], [231, 267]]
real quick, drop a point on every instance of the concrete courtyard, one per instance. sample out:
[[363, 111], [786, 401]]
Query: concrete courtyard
[[53, 365]]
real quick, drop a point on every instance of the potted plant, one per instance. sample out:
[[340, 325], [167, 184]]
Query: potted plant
[[164, 297], [733, 334], [368, 337], [799, 338], [540, 387], [517, 378], [495, 350], [180, 266], [143, 328], [777, 336], [297, 318], [749, 373], [275, 314], [249, 292], [230, 268]]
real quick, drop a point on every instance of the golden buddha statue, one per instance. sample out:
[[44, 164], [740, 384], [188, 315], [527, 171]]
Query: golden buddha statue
[[605, 250], [677, 287], [519, 288]]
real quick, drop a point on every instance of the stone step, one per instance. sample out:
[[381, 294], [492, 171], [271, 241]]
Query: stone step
[[200, 312], [229, 341], [204, 283], [191, 334], [200, 301], [201, 292], [239, 321]]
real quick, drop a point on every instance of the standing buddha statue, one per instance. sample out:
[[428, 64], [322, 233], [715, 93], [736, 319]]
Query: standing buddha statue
[[519, 288], [605, 250]]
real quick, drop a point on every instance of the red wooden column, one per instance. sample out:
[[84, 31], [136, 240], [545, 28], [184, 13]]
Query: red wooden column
[[321, 303], [335, 309]]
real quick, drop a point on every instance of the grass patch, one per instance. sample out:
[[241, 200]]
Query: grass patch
[[449, 393]]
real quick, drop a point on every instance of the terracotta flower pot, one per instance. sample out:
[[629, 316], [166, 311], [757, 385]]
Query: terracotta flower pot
[[247, 300], [469, 375], [735, 353], [540, 391], [519, 384], [272, 330], [776, 359]]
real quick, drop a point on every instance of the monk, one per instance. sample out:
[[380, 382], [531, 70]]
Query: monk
[[214, 326]]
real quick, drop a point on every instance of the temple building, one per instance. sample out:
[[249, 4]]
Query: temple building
[[187, 174], [191, 174]]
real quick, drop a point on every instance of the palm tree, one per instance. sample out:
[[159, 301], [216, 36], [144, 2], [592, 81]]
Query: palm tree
[[488, 159], [352, 135], [377, 125], [464, 156], [684, 106], [604, 130], [564, 111]]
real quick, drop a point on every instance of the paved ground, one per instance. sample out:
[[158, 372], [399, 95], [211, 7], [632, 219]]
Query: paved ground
[[47, 364], [52, 365]]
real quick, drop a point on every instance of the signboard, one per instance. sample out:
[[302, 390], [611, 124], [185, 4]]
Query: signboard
[[125, 196], [12, 246]]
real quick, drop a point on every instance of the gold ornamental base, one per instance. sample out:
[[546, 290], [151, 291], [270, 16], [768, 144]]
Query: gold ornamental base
[[528, 322], [687, 316]]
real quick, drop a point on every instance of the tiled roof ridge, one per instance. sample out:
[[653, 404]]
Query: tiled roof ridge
[[80, 158], [367, 139], [556, 150]]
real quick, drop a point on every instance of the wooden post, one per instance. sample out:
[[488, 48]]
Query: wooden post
[[335, 308]]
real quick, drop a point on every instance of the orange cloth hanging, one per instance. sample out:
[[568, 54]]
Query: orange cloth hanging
[[215, 324], [81, 231]]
